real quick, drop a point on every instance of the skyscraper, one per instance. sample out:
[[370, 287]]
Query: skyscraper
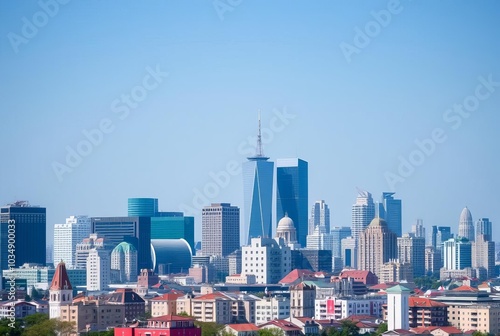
[[377, 245], [220, 229], [98, 269], [67, 236], [390, 210], [292, 194], [418, 229], [483, 255], [257, 194], [466, 225], [433, 237], [362, 213], [133, 230], [457, 253], [173, 225], [142, 207], [320, 217], [411, 249], [483, 227], [26, 224], [339, 233]]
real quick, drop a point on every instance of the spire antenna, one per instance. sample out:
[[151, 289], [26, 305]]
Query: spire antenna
[[259, 141]]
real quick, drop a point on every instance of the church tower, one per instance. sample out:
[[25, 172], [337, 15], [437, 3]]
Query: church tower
[[61, 292]]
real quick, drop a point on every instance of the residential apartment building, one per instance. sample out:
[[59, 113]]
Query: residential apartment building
[[165, 304], [341, 308], [302, 298], [272, 308]]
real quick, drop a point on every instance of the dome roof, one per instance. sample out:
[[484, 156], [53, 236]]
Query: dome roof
[[124, 247], [285, 224], [378, 222], [465, 216]]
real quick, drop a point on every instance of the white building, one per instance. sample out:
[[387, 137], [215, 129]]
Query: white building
[[336, 308], [66, 236], [349, 252], [124, 260], [320, 217], [98, 269], [268, 259], [272, 308], [60, 292], [397, 308], [319, 240]]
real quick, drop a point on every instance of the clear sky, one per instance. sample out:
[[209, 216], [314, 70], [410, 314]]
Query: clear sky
[[174, 88]]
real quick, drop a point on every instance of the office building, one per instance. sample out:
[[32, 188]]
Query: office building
[[67, 236], [466, 225], [257, 195], [20, 219], [173, 225], [133, 230], [411, 250], [339, 233], [292, 194], [82, 249], [395, 271], [98, 269], [349, 252], [390, 210], [443, 234], [457, 254], [220, 229], [377, 245], [142, 207], [362, 213], [319, 241], [432, 261], [433, 237], [268, 259], [484, 227], [483, 255], [320, 217], [418, 229], [124, 261], [170, 256]]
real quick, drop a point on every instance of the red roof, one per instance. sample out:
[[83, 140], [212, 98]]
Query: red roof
[[168, 318], [384, 285], [295, 275], [168, 297], [212, 296], [450, 330], [243, 327], [465, 289], [284, 325], [424, 302], [60, 279]]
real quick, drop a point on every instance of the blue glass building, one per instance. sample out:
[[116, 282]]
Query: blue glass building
[[142, 207], [173, 225], [292, 194], [25, 226], [390, 210]]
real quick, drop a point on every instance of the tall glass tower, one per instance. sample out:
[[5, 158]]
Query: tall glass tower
[[257, 195], [363, 213], [292, 194], [142, 207], [390, 210]]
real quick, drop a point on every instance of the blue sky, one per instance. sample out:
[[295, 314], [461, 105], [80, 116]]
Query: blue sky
[[351, 119]]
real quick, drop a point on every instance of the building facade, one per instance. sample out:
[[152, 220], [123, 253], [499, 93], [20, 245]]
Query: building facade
[[363, 211], [124, 261], [339, 233], [390, 210], [466, 225], [320, 217], [173, 225], [142, 207], [67, 236], [220, 230], [457, 253], [98, 269], [411, 250]]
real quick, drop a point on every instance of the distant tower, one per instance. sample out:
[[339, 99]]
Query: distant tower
[[390, 210], [98, 269], [466, 225], [457, 253], [362, 213], [257, 194], [67, 236], [377, 245], [220, 229], [398, 308], [418, 229], [320, 217], [339, 233], [124, 259], [60, 292], [483, 227], [143, 207], [411, 250], [286, 230]]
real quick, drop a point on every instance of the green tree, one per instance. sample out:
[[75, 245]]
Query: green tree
[[270, 332], [478, 333], [34, 319], [7, 330], [50, 327], [209, 328], [382, 328]]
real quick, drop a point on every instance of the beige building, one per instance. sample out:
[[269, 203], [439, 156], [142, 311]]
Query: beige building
[[93, 315], [432, 260], [394, 271], [480, 317], [302, 297], [411, 250], [165, 304], [483, 255], [377, 245], [241, 279]]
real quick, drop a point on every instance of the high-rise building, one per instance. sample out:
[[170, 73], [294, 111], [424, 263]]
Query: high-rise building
[[339, 233], [411, 250], [133, 230], [362, 213], [377, 245], [433, 237], [124, 260], [443, 234], [483, 255], [292, 194], [466, 225], [220, 229], [257, 194], [173, 225], [319, 241], [98, 269], [67, 236], [26, 224], [457, 253], [418, 229], [82, 249], [432, 260], [390, 210], [142, 207], [484, 227], [349, 252], [320, 217]]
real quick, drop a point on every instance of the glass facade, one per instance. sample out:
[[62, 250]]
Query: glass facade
[[27, 234], [173, 225], [258, 198], [170, 255], [292, 194], [390, 210], [142, 207]]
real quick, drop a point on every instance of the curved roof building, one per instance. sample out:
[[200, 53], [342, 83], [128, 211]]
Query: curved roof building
[[286, 230], [171, 255], [466, 225]]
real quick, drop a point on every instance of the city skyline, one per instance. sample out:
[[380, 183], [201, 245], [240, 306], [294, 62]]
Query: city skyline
[[393, 116]]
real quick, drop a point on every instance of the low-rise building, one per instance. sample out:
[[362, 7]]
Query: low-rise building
[[16, 309], [241, 279], [162, 325], [134, 304], [272, 308], [165, 304], [341, 308], [242, 329]]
